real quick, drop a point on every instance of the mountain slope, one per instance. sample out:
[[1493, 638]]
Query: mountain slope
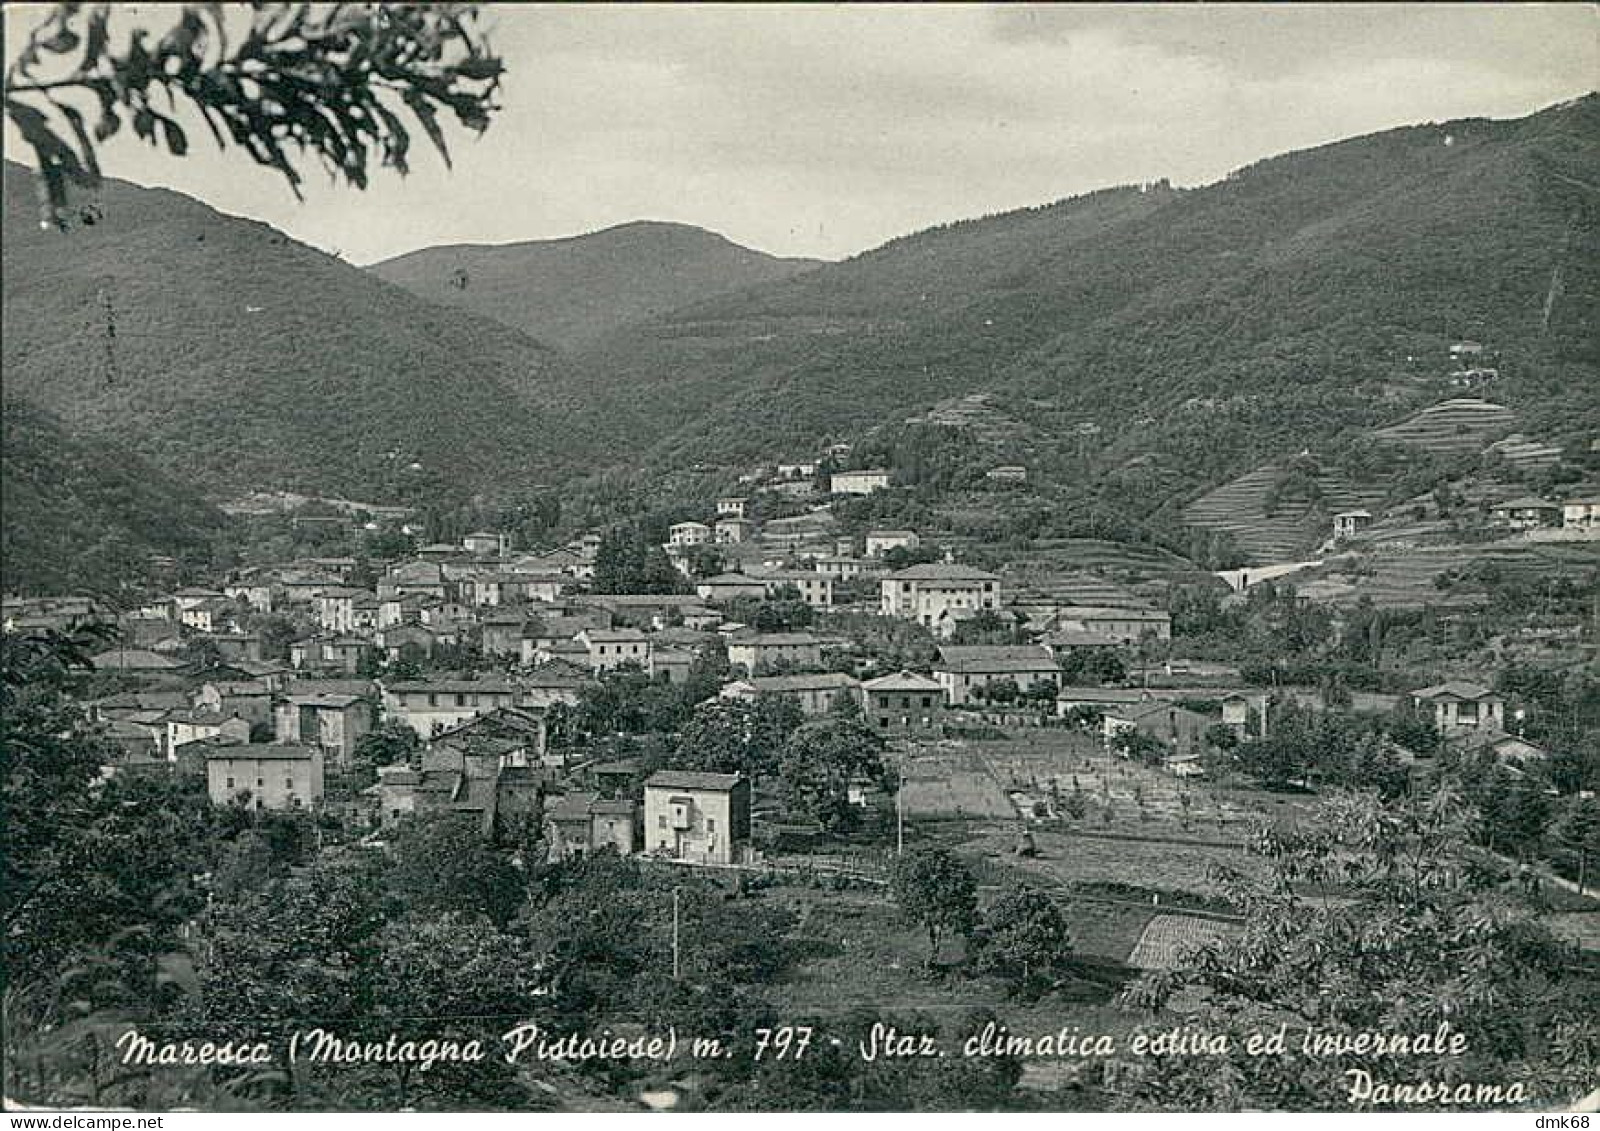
[[231, 355], [570, 291], [84, 514], [842, 348], [1201, 332]]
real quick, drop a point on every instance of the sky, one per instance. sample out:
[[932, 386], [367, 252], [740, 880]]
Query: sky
[[824, 130]]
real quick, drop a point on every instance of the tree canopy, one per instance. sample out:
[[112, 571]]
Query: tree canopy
[[280, 81]]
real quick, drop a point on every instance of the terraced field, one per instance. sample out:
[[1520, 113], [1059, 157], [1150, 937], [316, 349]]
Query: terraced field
[[1404, 578], [1238, 509], [1462, 424], [1530, 455], [1039, 589]]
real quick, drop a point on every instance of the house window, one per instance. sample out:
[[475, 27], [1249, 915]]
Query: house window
[[461, 699], [288, 783], [260, 782], [905, 700], [883, 722], [711, 824], [661, 821], [927, 700], [433, 699], [230, 783]]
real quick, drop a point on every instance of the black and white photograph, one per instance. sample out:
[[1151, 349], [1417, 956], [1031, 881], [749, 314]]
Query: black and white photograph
[[800, 558]]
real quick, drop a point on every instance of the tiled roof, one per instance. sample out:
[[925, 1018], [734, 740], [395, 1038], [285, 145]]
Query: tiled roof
[[942, 571], [1100, 694], [323, 700], [821, 681], [903, 681], [260, 752], [1455, 689], [691, 779], [1078, 638], [571, 806], [133, 659], [452, 686], [1108, 612], [997, 666], [612, 635], [965, 653]]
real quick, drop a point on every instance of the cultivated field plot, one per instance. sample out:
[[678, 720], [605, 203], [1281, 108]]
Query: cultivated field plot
[[951, 781], [1041, 770], [1169, 940]]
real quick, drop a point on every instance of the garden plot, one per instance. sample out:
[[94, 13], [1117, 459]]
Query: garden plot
[[1041, 772], [1169, 941], [950, 780]]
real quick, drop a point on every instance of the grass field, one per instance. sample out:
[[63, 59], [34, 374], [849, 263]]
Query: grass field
[[862, 959], [1065, 859]]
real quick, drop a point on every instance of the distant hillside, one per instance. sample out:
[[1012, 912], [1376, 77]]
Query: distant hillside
[[1168, 340], [570, 291], [87, 514], [238, 359]]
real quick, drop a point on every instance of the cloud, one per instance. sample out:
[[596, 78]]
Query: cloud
[[827, 129], [1274, 40]]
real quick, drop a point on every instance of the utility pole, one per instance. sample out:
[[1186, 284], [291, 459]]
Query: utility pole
[[675, 962]]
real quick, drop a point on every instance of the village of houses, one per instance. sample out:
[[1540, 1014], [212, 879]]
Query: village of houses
[[281, 732]]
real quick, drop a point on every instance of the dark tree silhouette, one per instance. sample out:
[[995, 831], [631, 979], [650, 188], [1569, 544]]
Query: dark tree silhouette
[[281, 81]]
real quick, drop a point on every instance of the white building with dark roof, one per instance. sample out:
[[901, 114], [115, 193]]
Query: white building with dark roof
[[689, 534], [858, 482], [271, 777], [816, 693], [696, 816], [964, 671], [1458, 705], [765, 649], [1114, 624], [925, 593]]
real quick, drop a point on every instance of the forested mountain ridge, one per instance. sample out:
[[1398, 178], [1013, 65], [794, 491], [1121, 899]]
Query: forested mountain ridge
[[1150, 343], [231, 355], [571, 291], [83, 514], [1299, 301]]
